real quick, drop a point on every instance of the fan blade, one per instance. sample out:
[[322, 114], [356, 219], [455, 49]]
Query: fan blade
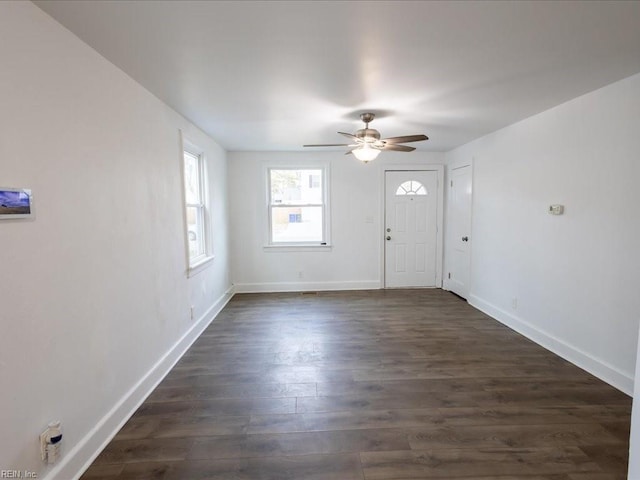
[[351, 136], [398, 148], [329, 145], [406, 139]]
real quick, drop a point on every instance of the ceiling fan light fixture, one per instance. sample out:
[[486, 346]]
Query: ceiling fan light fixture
[[366, 143], [366, 153]]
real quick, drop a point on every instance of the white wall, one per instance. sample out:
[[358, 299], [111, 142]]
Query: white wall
[[356, 189], [575, 276], [93, 292]]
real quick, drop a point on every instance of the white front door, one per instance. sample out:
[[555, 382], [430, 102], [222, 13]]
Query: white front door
[[460, 218], [411, 207]]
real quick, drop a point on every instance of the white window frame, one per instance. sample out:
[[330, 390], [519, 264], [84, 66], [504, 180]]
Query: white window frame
[[325, 243], [199, 263]]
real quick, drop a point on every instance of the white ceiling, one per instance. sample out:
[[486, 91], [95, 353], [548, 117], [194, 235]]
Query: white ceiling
[[270, 75]]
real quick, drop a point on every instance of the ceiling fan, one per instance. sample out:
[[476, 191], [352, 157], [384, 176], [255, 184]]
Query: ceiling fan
[[367, 143]]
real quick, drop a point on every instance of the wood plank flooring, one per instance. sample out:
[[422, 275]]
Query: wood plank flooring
[[370, 385]]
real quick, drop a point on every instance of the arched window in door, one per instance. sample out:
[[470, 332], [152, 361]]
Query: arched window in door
[[411, 187]]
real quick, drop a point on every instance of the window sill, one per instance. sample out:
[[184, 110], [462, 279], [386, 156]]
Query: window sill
[[297, 248], [199, 266]]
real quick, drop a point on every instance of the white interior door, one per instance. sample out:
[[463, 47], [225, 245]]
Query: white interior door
[[411, 207], [460, 218]]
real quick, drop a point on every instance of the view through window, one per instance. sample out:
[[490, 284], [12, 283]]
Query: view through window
[[297, 206], [195, 207]]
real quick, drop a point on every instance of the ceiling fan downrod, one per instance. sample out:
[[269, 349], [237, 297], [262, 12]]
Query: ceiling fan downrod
[[369, 135]]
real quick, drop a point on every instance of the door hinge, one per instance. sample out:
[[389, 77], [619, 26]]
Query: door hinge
[[449, 275], [452, 183]]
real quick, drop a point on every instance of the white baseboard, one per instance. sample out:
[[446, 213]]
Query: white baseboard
[[591, 364], [80, 457], [305, 286]]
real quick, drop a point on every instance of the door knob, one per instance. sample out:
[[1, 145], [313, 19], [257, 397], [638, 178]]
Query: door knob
[[465, 239], [388, 237]]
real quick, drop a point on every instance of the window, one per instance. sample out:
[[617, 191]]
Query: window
[[297, 206], [411, 187], [196, 209]]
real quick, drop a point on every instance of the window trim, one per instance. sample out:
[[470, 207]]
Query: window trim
[[201, 262], [325, 243]]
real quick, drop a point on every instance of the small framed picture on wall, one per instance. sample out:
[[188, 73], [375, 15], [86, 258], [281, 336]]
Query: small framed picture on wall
[[16, 203]]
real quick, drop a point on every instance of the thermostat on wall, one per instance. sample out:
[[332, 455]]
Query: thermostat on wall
[[556, 209]]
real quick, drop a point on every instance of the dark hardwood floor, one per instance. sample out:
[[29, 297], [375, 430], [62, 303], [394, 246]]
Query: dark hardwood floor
[[388, 384]]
